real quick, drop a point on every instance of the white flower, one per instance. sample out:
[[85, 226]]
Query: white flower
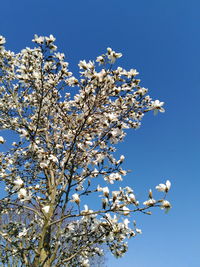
[[75, 198], [121, 159], [100, 59], [84, 65], [104, 202], [132, 198], [79, 187], [36, 75], [149, 202], [53, 158], [99, 158], [18, 183], [89, 143], [85, 263], [23, 233], [168, 185], [115, 194], [37, 186], [38, 39], [157, 105], [150, 193], [132, 72], [44, 165], [164, 187], [23, 133], [139, 231], [46, 209], [2, 141], [123, 172], [129, 189], [126, 211], [99, 188], [86, 210], [23, 195], [50, 39], [112, 117], [113, 177], [89, 120], [112, 55], [165, 204], [142, 91], [95, 173], [60, 56], [100, 75], [105, 191], [2, 40], [72, 81], [126, 222]]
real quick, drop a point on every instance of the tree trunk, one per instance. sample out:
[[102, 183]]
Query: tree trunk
[[43, 257]]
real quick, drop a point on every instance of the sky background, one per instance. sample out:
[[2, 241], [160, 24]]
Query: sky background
[[161, 39]]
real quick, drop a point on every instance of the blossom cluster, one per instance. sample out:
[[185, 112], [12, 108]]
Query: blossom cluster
[[65, 130]]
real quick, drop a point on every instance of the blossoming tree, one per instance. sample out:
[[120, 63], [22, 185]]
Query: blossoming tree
[[59, 207]]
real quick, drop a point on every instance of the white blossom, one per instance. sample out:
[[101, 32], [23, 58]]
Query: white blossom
[[86, 210], [50, 39], [165, 204], [149, 202], [121, 159], [18, 183], [157, 106], [53, 158], [2, 141], [132, 72], [164, 187], [72, 81], [44, 164], [138, 231], [85, 263], [126, 222], [76, 198], [113, 177], [105, 191], [23, 233], [2, 40], [132, 198], [38, 39], [84, 65], [46, 208], [23, 195], [112, 55], [100, 59], [129, 189], [126, 211]]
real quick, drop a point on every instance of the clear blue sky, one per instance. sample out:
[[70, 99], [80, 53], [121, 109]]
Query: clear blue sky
[[161, 39]]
